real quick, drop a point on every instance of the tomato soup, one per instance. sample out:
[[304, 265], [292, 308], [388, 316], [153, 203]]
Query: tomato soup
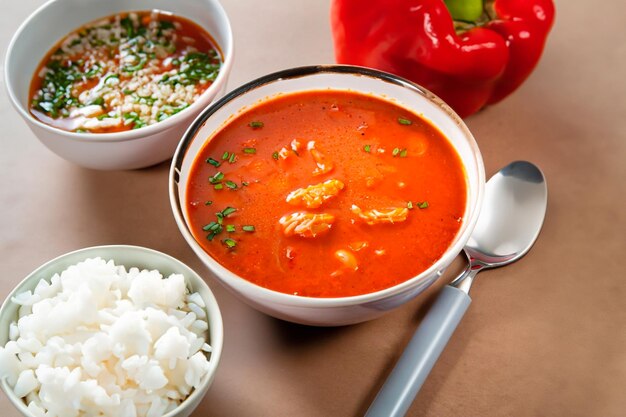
[[124, 72], [326, 194]]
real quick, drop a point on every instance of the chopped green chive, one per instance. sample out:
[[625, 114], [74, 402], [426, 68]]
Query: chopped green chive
[[213, 162], [275, 155], [218, 186], [404, 121], [111, 77], [208, 203], [409, 205], [423, 204], [230, 228], [231, 185], [244, 183], [216, 229], [250, 151], [225, 156], [256, 125], [367, 148], [210, 226], [227, 211], [395, 151], [403, 153], [232, 158], [248, 228], [230, 243], [216, 178]]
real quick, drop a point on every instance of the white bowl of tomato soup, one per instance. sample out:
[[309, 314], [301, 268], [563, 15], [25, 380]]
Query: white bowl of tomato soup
[[327, 195], [114, 84]]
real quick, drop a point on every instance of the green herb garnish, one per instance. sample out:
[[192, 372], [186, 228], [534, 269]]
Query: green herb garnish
[[167, 111], [230, 243], [232, 158], [133, 117], [404, 121], [213, 162], [208, 203], [250, 151], [55, 96], [218, 186], [395, 151], [149, 100], [111, 77], [409, 205], [275, 155], [367, 148], [248, 228], [211, 227], [219, 175], [230, 228], [423, 204], [225, 156], [164, 25], [93, 71], [133, 68], [214, 229], [256, 125], [227, 211], [231, 185], [403, 153], [127, 23], [195, 67]]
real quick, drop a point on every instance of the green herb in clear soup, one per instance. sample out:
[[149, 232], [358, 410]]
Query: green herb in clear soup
[[124, 72]]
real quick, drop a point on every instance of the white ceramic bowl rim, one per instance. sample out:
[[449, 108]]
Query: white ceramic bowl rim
[[225, 50], [214, 318], [315, 302]]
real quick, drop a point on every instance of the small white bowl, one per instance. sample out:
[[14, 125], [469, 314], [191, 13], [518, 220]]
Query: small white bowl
[[129, 256], [109, 151], [341, 310]]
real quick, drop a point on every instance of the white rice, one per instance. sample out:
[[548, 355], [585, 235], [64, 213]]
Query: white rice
[[98, 340]]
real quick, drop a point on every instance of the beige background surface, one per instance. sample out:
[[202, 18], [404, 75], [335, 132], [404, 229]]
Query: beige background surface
[[544, 337]]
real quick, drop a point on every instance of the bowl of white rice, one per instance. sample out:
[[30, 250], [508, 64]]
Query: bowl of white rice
[[109, 331]]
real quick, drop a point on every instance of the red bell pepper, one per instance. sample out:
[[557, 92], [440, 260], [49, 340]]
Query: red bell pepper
[[469, 64]]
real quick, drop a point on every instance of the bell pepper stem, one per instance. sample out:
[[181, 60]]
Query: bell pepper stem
[[465, 10]]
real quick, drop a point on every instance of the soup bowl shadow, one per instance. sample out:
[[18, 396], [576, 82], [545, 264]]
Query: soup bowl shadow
[[130, 149], [339, 310]]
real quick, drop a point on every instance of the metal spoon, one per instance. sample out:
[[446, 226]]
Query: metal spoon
[[509, 223]]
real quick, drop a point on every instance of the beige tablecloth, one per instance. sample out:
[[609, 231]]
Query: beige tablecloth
[[543, 337]]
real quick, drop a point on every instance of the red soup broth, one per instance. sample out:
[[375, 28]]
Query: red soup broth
[[326, 194]]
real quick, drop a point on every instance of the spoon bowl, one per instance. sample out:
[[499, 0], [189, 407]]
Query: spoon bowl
[[512, 215], [513, 211]]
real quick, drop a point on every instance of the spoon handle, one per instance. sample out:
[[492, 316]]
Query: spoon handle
[[420, 355]]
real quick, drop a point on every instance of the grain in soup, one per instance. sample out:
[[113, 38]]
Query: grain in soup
[[124, 72]]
